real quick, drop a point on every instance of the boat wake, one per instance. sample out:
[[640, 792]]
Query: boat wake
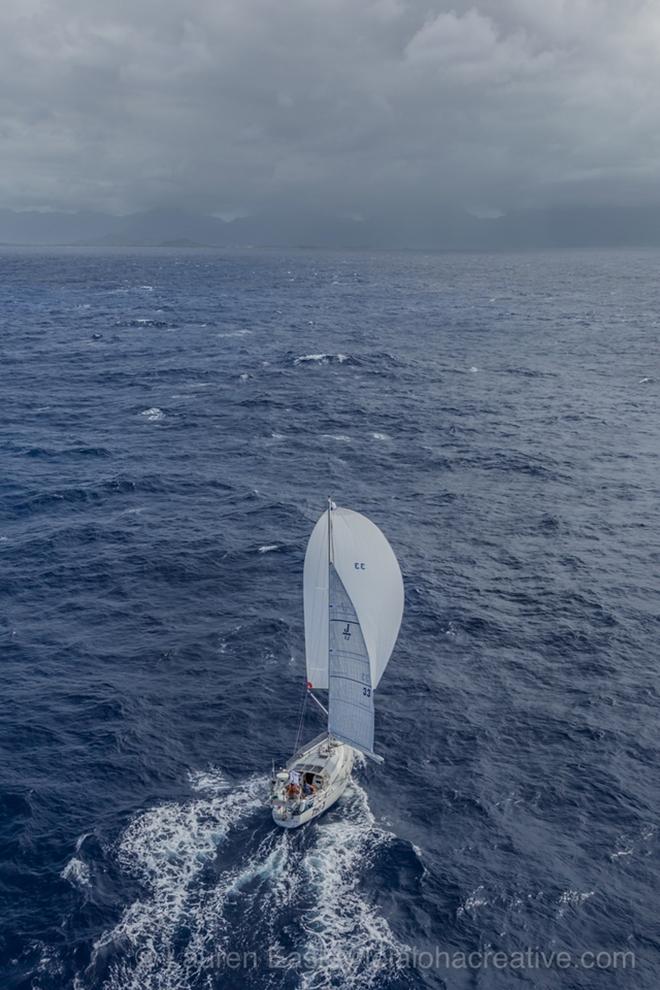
[[230, 900]]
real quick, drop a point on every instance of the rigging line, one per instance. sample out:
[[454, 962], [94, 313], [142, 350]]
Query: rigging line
[[301, 720], [321, 706]]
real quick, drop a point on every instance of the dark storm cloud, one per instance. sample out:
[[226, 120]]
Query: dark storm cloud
[[353, 105]]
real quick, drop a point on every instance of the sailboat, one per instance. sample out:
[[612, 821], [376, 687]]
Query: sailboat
[[353, 604]]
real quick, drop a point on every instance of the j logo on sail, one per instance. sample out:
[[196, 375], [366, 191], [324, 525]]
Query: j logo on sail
[[347, 632]]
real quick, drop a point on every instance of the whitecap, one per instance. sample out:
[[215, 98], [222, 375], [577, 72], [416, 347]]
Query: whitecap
[[336, 436], [320, 359], [244, 377], [312, 359], [81, 839], [267, 548], [380, 436], [153, 415], [619, 853], [472, 902], [573, 899], [625, 846], [77, 872], [473, 370]]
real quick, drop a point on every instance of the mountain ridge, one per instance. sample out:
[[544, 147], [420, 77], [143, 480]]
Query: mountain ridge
[[585, 226]]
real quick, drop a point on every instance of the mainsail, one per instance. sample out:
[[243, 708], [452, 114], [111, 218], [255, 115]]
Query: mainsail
[[351, 700], [353, 608]]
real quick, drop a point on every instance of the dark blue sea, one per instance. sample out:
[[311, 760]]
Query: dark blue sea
[[171, 423]]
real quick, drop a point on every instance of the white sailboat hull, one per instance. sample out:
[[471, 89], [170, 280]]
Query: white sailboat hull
[[326, 764]]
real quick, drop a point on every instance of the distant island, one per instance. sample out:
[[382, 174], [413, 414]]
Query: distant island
[[441, 229]]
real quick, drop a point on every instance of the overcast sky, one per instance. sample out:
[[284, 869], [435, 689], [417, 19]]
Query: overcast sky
[[233, 106]]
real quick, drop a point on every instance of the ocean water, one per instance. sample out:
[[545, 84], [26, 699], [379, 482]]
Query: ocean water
[[171, 423]]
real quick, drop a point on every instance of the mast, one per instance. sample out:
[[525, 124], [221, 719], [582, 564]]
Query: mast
[[329, 567], [330, 507]]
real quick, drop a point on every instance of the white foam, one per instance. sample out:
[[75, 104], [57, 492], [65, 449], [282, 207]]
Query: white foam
[[472, 902], [320, 359], [153, 415], [272, 876], [473, 370], [336, 436], [380, 436], [348, 942], [166, 849], [619, 853], [573, 899], [77, 872], [244, 377], [312, 359], [81, 839], [268, 548], [174, 937], [212, 780], [625, 846]]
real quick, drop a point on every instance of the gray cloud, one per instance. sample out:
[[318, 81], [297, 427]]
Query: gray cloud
[[356, 106]]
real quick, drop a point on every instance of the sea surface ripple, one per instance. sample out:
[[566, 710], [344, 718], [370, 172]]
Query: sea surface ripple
[[171, 422]]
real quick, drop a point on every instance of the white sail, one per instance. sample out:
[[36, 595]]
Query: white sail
[[315, 594], [365, 588], [370, 573], [351, 701]]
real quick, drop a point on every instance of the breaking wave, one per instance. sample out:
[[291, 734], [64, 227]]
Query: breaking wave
[[321, 359], [77, 872], [153, 415]]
